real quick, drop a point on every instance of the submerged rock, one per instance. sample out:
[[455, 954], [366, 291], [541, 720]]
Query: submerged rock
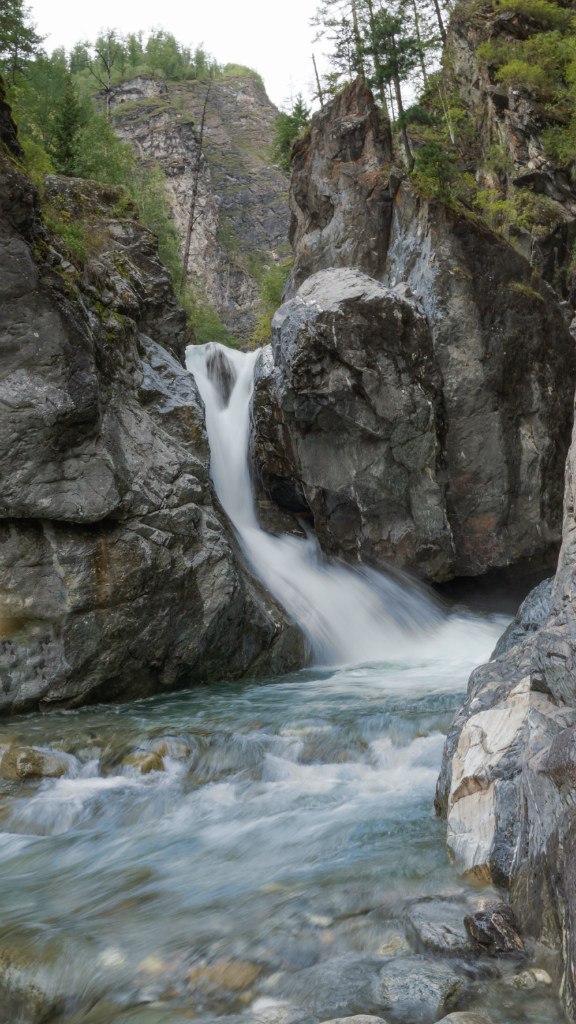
[[30, 763]]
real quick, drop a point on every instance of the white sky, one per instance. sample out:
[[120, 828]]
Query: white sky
[[274, 38]]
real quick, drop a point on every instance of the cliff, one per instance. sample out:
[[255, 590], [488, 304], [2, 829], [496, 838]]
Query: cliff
[[241, 219], [119, 574], [501, 367]]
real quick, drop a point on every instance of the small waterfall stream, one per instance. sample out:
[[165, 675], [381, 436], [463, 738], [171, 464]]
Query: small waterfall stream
[[349, 615]]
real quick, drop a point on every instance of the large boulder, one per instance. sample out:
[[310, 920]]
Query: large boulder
[[347, 423], [120, 576]]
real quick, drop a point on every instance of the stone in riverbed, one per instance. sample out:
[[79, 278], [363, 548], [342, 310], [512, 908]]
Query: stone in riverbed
[[436, 925], [494, 931], [407, 989], [464, 1018], [29, 763], [359, 1018]]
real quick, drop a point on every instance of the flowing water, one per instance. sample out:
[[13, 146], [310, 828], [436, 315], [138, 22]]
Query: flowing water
[[249, 853]]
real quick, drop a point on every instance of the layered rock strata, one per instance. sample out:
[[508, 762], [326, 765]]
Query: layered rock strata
[[119, 575]]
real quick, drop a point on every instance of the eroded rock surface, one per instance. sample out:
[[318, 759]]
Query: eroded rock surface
[[346, 422], [499, 358], [241, 210], [509, 768], [119, 577]]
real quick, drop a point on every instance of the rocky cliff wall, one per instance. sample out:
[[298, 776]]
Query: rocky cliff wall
[[241, 221], [500, 349], [119, 575]]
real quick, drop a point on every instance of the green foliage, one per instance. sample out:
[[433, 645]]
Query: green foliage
[[435, 171], [100, 155], [67, 123], [518, 210], [271, 284], [205, 321], [147, 189], [19, 41], [549, 15], [71, 232], [287, 128], [37, 161]]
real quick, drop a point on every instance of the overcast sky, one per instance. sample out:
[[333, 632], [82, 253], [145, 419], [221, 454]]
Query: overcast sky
[[272, 37]]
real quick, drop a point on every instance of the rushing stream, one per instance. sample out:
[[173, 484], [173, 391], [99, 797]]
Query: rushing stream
[[254, 852]]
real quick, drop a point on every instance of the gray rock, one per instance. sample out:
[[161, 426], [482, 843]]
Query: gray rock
[[359, 1018], [406, 990], [350, 401], [436, 925], [242, 216], [477, 483], [120, 577], [464, 1018], [531, 615], [495, 931]]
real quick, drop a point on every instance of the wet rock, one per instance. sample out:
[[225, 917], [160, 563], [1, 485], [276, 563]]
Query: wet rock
[[231, 975], [144, 762], [404, 989], [29, 763], [494, 931], [360, 1018], [531, 615], [530, 979], [120, 577], [350, 400], [465, 1018], [436, 925]]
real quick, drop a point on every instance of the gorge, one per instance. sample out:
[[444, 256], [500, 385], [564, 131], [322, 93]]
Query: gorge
[[249, 584]]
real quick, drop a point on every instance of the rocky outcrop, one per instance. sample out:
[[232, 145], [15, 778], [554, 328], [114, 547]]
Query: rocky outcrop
[[346, 422], [509, 767], [500, 363], [119, 575], [340, 193], [507, 147], [241, 213]]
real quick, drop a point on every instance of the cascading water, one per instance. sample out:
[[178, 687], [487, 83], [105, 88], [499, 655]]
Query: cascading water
[[349, 615], [250, 852]]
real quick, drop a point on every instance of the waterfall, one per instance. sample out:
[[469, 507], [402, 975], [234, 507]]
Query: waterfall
[[350, 615]]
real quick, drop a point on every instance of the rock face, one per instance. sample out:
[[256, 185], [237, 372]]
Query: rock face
[[119, 575], [507, 148], [347, 421], [241, 217], [509, 769], [340, 197], [498, 373]]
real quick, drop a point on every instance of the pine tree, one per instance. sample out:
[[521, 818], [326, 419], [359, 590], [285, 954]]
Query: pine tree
[[19, 40], [287, 127], [67, 124]]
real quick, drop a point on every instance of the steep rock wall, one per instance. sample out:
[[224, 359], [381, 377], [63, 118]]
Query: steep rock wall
[[119, 575], [501, 347], [241, 221]]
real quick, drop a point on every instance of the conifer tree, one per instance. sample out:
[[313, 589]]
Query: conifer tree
[[67, 124], [19, 40]]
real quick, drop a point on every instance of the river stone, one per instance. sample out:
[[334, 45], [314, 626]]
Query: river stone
[[406, 990], [464, 1018], [145, 762], [360, 1018], [29, 763], [494, 931], [436, 925]]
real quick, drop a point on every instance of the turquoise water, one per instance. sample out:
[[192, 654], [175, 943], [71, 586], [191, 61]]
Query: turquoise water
[[282, 824]]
